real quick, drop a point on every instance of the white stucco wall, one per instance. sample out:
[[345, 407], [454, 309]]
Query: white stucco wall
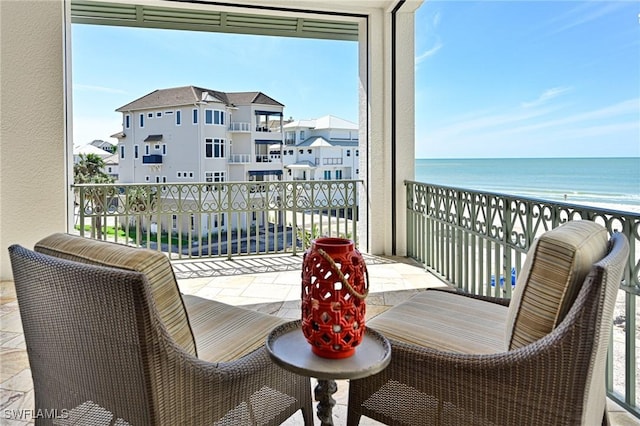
[[33, 160]]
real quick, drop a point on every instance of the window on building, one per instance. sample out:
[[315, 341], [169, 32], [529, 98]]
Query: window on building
[[178, 118], [141, 120], [217, 177], [338, 174], [122, 152], [218, 148], [164, 179], [149, 115], [147, 178], [164, 149], [218, 220], [146, 150], [127, 121], [327, 175], [195, 116], [218, 117], [214, 116], [348, 153], [193, 222], [156, 147], [174, 221], [157, 179], [208, 148], [135, 151], [179, 174], [301, 135], [290, 138], [214, 148], [357, 152], [159, 114]]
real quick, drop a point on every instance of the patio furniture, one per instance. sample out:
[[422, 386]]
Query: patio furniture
[[538, 359], [110, 339], [289, 348]]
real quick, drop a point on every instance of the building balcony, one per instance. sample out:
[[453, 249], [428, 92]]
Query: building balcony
[[438, 236], [239, 158], [239, 127], [152, 159], [441, 245]]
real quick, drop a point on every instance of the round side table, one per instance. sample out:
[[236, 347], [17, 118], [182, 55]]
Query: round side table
[[288, 348]]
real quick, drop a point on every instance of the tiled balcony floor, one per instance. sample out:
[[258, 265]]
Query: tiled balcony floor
[[267, 284]]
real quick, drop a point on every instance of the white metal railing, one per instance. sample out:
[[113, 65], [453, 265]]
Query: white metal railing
[[332, 161], [239, 158], [214, 219], [478, 242], [238, 126]]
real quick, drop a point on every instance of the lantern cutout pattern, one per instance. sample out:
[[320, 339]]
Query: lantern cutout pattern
[[335, 283]]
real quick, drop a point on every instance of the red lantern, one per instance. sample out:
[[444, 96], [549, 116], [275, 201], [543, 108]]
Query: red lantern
[[334, 286]]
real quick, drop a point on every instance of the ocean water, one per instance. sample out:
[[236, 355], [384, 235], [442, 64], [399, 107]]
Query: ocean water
[[603, 182]]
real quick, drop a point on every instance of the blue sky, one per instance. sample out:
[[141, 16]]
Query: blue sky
[[493, 78]]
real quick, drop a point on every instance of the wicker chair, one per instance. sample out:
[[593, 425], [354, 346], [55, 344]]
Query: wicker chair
[[538, 360], [106, 345]]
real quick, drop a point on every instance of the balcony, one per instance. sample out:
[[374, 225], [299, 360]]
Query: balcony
[[239, 127], [239, 158], [448, 230], [467, 239], [433, 234], [332, 161], [152, 159]]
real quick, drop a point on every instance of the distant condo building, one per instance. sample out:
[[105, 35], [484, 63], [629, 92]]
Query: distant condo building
[[192, 134], [321, 149]]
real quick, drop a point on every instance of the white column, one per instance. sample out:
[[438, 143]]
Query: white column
[[387, 163], [33, 153]]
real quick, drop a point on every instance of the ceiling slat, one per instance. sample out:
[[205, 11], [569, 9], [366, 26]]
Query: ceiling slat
[[92, 12]]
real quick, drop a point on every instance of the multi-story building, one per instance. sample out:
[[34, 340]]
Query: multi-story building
[[322, 149], [192, 134]]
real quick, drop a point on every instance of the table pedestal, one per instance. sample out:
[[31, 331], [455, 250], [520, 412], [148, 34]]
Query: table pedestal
[[322, 393]]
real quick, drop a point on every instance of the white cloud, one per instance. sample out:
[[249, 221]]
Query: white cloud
[[546, 96], [427, 53]]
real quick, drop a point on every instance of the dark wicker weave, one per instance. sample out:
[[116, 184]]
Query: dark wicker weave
[[557, 380], [99, 354]]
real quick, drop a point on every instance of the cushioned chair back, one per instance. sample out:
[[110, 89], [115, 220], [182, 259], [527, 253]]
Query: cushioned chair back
[[153, 264], [552, 275], [85, 329], [608, 273]]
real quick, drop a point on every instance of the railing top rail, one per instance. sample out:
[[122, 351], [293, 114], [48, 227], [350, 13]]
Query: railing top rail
[[530, 199]]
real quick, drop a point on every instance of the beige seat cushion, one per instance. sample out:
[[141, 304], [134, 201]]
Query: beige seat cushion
[[554, 270], [154, 265], [445, 321], [225, 332]]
